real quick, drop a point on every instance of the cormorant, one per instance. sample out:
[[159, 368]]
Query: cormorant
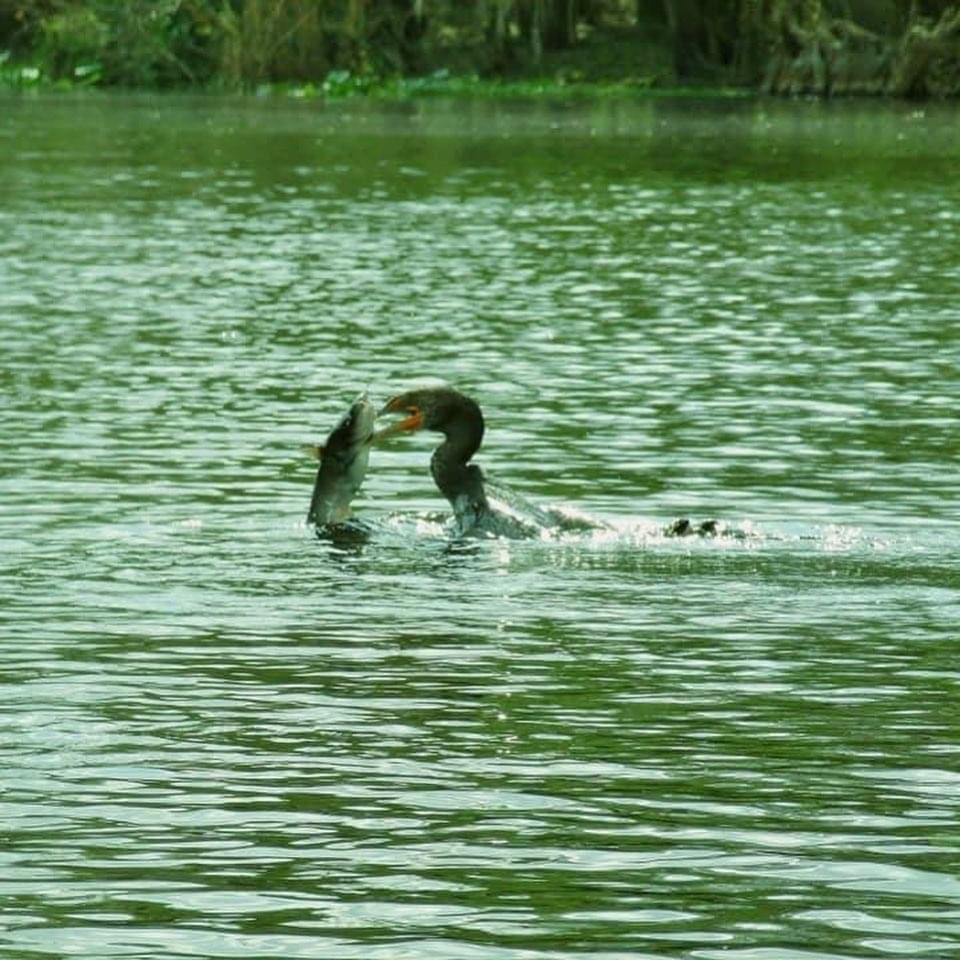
[[460, 420]]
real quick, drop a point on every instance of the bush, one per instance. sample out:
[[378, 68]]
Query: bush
[[72, 40], [138, 53]]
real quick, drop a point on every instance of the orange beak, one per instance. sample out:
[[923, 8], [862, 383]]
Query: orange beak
[[413, 420]]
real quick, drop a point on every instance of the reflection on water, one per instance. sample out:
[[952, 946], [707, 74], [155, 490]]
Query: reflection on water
[[224, 737]]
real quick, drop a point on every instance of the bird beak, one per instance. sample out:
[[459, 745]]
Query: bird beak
[[413, 420]]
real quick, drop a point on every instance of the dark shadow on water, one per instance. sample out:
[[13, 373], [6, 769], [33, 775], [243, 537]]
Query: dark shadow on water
[[347, 538]]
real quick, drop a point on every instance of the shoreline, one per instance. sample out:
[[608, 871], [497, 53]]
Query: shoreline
[[342, 86]]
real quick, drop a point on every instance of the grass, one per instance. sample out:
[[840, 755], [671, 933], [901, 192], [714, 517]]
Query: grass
[[341, 85], [30, 76]]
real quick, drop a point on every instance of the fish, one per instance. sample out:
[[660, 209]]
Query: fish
[[343, 464]]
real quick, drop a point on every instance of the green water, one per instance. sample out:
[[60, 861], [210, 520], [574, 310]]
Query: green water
[[222, 737]]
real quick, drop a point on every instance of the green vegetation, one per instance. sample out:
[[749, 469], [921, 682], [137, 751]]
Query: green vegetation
[[410, 47]]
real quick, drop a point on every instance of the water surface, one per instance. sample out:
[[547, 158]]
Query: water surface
[[223, 737]]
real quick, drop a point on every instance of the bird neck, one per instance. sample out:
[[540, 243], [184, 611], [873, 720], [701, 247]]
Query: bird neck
[[460, 482]]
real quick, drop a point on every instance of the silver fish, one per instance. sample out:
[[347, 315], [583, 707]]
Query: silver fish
[[343, 464]]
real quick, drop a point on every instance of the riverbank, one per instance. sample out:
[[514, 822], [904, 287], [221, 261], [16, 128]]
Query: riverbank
[[303, 50], [342, 84]]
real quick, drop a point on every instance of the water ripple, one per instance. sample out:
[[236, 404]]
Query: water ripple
[[225, 738]]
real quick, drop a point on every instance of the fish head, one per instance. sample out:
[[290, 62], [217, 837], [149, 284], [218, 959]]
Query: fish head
[[352, 433]]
